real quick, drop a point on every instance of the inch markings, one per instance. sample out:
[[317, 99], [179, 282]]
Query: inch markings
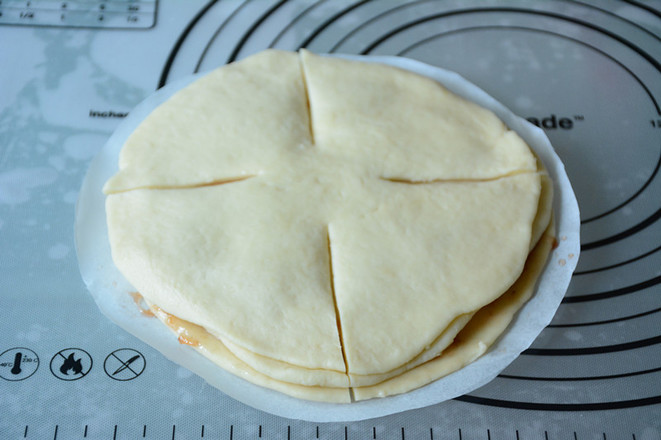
[[60, 434]]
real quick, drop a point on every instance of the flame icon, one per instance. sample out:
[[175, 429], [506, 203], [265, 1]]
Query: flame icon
[[70, 363]]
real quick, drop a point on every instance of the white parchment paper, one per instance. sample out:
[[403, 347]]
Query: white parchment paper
[[110, 289]]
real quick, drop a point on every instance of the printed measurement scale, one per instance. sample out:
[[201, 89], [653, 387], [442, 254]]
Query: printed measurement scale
[[112, 14], [342, 433], [587, 72]]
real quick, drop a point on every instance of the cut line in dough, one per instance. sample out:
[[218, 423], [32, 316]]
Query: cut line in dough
[[480, 333], [407, 181], [323, 251], [191, 186], [484, 328], [337, 312]]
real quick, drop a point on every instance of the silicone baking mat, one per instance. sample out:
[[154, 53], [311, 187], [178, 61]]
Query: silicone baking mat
[[587, 72]]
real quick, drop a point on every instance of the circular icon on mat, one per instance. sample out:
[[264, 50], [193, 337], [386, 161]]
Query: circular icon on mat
[[71, 364], [18, 363], [124, 364]]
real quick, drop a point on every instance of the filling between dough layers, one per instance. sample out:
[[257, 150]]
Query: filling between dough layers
[[327, 228]]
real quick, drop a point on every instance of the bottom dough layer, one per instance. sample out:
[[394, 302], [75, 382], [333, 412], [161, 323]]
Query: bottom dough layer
[[470, 343], [214, 350], [479, 334]]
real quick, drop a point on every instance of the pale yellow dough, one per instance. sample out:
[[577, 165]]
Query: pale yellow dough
[[475, 338], [404, 126], [212, 348], [480, 333], [287, 372], [209, 132], [341, 249]]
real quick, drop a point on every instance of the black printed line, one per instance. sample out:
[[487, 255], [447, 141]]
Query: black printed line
[[581, 378], [253, 27], [607, 321], [622, 263], [594, 350], [613, 293], [180, 41], [647, 182], [373, 19], [293, 22], [624, 234], [648, 8], [328, 22], [215, 35], [597, 406]]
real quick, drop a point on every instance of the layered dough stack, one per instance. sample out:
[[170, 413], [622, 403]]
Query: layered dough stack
[[331, 229]]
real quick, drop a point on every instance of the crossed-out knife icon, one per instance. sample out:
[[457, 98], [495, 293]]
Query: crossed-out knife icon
[[126, 364]]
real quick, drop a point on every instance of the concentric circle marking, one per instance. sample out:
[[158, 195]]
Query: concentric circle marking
[[619, 225]]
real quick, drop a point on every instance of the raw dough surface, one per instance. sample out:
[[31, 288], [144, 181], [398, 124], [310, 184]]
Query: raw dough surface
[[404, 126], [199, 339], [480, 333], [216, 129], [347, 242], [475, 338]]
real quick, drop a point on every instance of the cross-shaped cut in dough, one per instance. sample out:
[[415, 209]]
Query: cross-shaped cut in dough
[[294, 237]]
